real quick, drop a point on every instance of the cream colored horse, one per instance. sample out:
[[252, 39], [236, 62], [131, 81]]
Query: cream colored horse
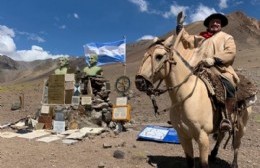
[[191, 112]]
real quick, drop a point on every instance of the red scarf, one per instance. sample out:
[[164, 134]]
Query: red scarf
[[206, 34]]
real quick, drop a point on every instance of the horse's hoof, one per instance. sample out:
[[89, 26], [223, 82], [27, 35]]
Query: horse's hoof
[[213, 155], [234, 165], [212, 158]]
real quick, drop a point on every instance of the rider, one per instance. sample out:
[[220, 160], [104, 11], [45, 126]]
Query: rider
[[216, 49], [63, 66]]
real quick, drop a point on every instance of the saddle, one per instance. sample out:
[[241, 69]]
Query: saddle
[[245, 89]]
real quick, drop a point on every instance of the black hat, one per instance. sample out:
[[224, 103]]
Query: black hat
[[223, 18]]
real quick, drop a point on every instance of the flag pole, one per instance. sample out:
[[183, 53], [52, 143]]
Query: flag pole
[[125, 56]]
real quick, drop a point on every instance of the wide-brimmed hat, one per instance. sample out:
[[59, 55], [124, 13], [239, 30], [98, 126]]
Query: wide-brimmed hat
[[223, 18]]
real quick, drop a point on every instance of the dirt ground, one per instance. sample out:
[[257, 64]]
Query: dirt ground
[[21, 153]]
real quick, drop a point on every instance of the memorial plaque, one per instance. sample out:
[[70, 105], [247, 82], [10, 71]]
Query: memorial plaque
[[75, 100], [121, 113], [68, 96], [45, 109], [86, 100], [56, 86], [59, 126], [46, 120], [69, 85], [56, 80], [69, 77], [108, 86], [121, 101]]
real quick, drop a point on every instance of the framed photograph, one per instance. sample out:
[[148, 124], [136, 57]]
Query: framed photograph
[[121, 113]]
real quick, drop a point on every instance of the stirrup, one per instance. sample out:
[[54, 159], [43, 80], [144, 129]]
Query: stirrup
[[225, 125]]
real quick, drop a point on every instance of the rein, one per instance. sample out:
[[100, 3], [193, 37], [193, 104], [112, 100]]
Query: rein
[[152, 93]]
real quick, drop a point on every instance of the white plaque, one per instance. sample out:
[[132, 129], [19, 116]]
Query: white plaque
[[45, 109], [121, 101], [59, 126], [86, 100], [69, 77]]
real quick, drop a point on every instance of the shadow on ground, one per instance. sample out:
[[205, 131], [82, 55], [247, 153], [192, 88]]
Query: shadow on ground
[[179, 162]]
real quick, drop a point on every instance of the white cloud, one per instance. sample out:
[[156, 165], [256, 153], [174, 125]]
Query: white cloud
[[238, 2], [223, 4], [255, 2], [174, 10], [201, 13], [36, 53], [146, 37], [76, 16], [63, 27], [142, 4], [32, 36], [7, 44], [8, 48]]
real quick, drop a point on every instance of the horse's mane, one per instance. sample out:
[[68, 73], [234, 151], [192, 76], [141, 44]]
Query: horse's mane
[[183, 60], [157, 42]]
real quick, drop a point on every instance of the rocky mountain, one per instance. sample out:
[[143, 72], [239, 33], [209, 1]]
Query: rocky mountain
[[245, 30]]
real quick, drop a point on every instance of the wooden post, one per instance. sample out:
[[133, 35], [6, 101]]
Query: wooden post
[[21, 97]]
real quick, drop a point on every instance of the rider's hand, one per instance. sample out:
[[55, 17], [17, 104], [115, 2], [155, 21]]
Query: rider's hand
[[180, 18], [208, 62]]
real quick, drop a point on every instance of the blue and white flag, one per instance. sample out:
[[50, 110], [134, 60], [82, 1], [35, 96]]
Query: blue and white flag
[[109, 52]]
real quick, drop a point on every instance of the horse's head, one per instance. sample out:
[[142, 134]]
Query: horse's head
[[155, 65]]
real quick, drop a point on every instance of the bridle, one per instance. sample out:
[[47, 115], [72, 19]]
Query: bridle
[[168, 58]]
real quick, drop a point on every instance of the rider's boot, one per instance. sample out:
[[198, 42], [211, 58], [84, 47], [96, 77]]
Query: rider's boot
[[226, 123]]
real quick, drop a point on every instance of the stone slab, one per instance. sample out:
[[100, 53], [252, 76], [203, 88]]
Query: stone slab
[[8, 134], [49, 139], [69, 141], [77, 135], [89, 130], [34, 134]]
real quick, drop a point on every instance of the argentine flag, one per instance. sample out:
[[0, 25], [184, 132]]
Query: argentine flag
[[109, 52]]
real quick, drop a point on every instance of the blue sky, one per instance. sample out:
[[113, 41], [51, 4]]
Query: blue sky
[[40, 29]]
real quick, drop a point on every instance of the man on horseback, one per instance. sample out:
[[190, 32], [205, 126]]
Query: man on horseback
[[216, 50]]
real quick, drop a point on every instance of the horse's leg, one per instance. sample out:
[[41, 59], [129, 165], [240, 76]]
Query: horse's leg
[[186, 144], [242, 121], [203, 142], [214, 151]]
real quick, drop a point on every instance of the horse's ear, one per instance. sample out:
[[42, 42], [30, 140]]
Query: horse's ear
[[169, 41], [155, 39]]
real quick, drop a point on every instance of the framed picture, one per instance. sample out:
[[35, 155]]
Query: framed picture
[[121, 113]]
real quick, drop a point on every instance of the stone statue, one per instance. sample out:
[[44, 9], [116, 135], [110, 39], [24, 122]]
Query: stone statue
[[93, 70], [63, 66]]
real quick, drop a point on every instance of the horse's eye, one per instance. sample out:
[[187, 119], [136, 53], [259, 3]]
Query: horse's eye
[[158, 57]]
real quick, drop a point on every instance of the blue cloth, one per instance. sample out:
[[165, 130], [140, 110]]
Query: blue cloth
[[109, 52]]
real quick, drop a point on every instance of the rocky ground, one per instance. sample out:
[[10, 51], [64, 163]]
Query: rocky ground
[[100, 151]]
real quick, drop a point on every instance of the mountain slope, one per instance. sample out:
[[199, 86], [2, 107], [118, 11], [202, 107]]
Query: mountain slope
[[245, 30]]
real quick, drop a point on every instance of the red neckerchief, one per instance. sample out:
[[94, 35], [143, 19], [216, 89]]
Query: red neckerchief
[[206, 34]]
